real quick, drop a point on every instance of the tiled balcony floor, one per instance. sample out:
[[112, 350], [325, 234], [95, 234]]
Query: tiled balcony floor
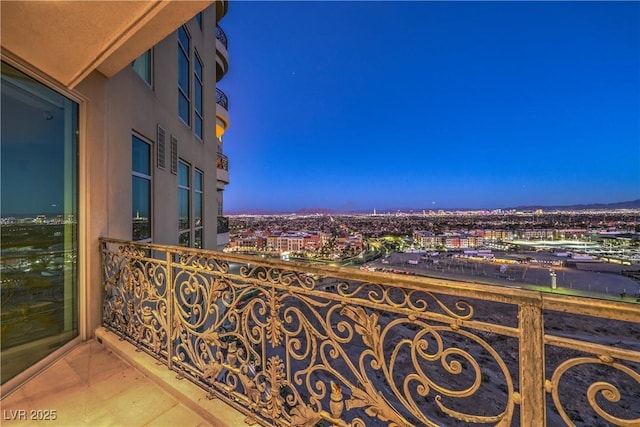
[[92, 386]]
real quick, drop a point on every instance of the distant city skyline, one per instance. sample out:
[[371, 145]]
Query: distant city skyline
[[361, 105], [604, 207]]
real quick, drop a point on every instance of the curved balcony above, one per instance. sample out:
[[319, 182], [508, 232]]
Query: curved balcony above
[[221, 9], [222, 99], [222, 112], [221, 36], [222, 168], [222, 55]]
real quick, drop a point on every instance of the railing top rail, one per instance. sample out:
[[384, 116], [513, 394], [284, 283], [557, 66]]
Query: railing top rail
[[608, 309]]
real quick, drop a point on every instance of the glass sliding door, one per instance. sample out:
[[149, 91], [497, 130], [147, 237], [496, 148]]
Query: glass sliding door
[[39, 214]]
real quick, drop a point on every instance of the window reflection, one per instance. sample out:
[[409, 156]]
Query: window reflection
[[184, 215], [141, 189], [38, 221], [142, 66]]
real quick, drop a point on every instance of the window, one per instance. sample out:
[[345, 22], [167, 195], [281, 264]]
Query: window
[[184, 216], [141, 189], [39, 228], [184, 65], [197, 88], [198, 195], [142, 66]]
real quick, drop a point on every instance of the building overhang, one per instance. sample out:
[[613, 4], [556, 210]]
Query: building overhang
[[68, 40]]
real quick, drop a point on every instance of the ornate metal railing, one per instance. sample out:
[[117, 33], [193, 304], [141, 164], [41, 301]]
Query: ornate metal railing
[[297, 344], [223, 224], [221, 36], [222, 162], [221, 99]]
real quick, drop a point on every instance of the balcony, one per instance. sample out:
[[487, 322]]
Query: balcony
[[221, 9], [222, 168], [298, 344], [222, 100], [222, 112], [223, 224], [222, 55]]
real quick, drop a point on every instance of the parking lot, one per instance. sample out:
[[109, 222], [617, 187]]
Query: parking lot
[[590, 278]]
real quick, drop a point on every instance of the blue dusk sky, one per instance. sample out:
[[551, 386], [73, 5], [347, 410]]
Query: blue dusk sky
[[360, 105]]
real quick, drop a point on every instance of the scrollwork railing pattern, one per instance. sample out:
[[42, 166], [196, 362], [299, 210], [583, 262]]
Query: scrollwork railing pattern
[[222, 99], [136, 297], [222, 162], [300, 345]]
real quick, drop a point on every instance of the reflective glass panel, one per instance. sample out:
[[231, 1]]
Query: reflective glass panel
[[184, 239], [197, 198], [197, 181], [183, 196], [183, 174], [39, 229], [141, 189], [198, 126], [141, 217], [183, 71], [183, 39], [141, 156], [142, 66], [183, 209], [198, 239], [183, 108], [198, 68], [183, 60], [197, 208]]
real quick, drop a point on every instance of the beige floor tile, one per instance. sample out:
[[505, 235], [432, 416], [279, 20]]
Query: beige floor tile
[[93, 363], [91, 386], [138, 404], [14, 399], [178, 415], [126, 378], [57, 377]]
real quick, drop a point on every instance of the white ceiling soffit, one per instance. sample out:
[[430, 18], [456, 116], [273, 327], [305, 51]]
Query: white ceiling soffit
[[67, 40]]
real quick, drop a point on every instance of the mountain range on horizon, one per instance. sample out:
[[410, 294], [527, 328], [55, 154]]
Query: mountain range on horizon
[[632, 204]]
